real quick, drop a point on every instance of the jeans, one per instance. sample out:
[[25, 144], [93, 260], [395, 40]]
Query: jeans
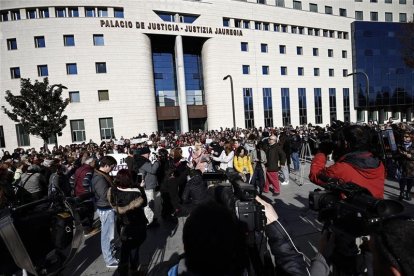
[[107, 218], [149, 209], [295, 160], [285, 171]]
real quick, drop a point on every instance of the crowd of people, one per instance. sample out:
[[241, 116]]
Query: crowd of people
[[263, 157]]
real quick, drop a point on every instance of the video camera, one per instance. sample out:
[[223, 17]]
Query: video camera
[[239, 197], [350, 209]]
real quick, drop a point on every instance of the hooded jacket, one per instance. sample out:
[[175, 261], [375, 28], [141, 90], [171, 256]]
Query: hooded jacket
[[360, 167]]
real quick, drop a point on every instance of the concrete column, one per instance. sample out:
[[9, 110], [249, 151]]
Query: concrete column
[[179, 63], [409, 111], [381, 116]]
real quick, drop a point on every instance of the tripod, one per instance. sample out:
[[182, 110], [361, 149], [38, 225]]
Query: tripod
[[305, 155]]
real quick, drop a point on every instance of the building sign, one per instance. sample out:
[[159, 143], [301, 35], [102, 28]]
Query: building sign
[[168, 27]]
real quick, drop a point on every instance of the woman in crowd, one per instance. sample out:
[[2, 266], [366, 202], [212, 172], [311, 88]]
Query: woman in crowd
[[128, 203], [226, 157], [242, 164], [258, 158], [200, 158]]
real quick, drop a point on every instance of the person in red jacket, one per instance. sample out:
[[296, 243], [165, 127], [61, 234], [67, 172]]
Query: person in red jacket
[[356, 163]]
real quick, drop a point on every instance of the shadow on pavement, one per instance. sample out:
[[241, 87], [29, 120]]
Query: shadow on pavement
[[86, 256]]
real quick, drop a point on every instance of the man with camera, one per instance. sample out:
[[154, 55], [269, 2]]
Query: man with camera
[[353, 161]]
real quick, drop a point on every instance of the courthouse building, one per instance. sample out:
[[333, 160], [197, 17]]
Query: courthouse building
[[138, 66]]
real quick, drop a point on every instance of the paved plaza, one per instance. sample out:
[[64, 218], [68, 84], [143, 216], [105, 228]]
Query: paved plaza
[[165, 241]]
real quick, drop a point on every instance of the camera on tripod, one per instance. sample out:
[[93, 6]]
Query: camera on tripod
[[350, 209]]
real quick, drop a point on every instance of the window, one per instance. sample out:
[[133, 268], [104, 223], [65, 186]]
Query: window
[[2, 140], [283, 70], [374, 16], [39, 42], [246, 69], [318, 105], [388, 17], [261, 1], [60, 12], [77, 128], [332, 104], [98, 40], [31, 14], [257, 25], [226, 22], [315, 52], [102, 12], [44, 13], [23, 138], [285, 106], [103, 95], [310, 31], [71, 69], [403, 17], [316, 72], [248, 107], [294, 29], [15, 72], [301, 30], [106, 126], [73, 12], [340, 34], [328, 9], [265, 70], [317, 31], [330, 53], [268, 107], [388, 1], [266, 26], [344, 72], [263, 47], [284, 28], [347, 110], [4, 16], [344, 54], [303, 117], [280, 3], [374, 1], [325, 33], [301, 71], [246, 24], [282, 49], [403, 2], [359, 15], [276, 27], [346, 35], [118, 12], [244, 46], [74, 97], [313, 7], [11, 44], [42, 71], [299, 50], [100, 67], [15, 15], [90, 12], [342, 12], [331, 72], [297, 5], [69, 40], [331, 34], [237, 23]]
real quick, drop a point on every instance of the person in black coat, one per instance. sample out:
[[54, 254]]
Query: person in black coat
[[196, 189], [128, 203]]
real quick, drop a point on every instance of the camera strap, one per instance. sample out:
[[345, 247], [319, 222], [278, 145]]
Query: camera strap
[[15, 245]]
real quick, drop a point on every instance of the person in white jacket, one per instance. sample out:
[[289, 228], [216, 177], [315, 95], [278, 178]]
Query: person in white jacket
[[225, 158]]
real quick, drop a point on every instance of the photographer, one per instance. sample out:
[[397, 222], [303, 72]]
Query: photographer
[[355, 163], [407, 166]]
